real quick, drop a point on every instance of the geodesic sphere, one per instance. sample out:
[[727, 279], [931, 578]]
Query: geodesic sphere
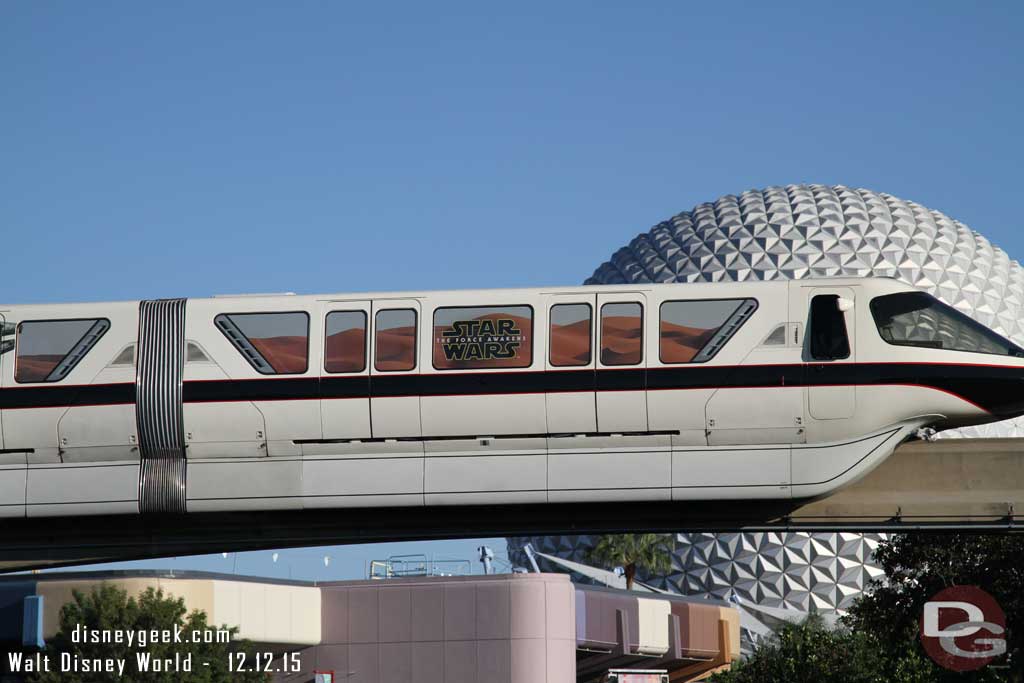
[[801, 231]]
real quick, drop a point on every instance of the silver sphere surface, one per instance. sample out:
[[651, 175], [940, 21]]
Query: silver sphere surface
[[801, 231]]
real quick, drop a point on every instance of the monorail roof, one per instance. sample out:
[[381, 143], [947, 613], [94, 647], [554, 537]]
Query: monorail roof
[[532, 291]]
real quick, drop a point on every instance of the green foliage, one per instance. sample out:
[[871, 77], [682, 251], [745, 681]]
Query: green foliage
[[109, 608], [917, 566], [633, 552], [813, 653], [878, 640]]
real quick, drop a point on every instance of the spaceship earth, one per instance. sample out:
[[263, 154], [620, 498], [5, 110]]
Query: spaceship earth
[[805, 231]]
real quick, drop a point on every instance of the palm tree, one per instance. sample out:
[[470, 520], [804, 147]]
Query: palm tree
[[652, 552]]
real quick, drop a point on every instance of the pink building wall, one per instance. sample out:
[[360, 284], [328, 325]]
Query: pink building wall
[[517, 628]]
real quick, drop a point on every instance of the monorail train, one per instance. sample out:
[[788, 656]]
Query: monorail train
[[759, 390]]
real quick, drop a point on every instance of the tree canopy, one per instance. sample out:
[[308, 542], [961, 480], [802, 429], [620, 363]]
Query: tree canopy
[[811, 652], [633, 552], [878, 640], [919, 565], [110, 609]]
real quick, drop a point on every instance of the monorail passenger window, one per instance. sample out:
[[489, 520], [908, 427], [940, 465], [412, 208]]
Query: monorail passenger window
[[395, 331], [475, 337], [345, 344], [622, 334], [570, 335], [273, 343], [49, 349], [829, 338], [694, 331]]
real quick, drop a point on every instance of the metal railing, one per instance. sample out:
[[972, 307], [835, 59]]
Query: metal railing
[[398, 566]]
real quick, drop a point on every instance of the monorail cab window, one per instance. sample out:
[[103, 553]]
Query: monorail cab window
[[622, 334], [830, 339], [273, 343], [395, 340], [919, 319], [48, 350]]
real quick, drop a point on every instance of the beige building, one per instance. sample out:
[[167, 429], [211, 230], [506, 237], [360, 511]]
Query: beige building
[[512, 628]]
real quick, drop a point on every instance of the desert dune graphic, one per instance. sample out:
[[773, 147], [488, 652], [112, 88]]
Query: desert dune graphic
[[679, 344], [36, 368], [570, 344], [287, 355], [396, 348], [345, 351], [621, 340]]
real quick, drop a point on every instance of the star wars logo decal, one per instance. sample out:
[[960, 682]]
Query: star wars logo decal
[[482, 337], [962, 628], [481, 340]]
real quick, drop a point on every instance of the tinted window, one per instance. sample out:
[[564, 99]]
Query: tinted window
[[48, 350], [570, 334], [345, 346], [273, 343], [622, 334], [919, 319], [694, 331], [483, 337], [6, 337], [829, 339], [396, 340]]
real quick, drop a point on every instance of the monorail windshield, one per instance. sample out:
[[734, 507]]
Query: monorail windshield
[[919, 319]]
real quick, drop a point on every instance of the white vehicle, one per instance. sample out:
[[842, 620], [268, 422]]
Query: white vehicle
[[757, 390]]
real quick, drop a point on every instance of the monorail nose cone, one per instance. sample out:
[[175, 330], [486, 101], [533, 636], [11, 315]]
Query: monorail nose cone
[[1000, 390], [993, 385]]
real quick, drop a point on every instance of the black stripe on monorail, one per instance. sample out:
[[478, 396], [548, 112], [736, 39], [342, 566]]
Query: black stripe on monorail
[[221, 391], [997, 389], [43, 396]]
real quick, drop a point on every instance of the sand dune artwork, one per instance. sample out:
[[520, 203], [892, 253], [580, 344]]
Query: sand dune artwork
[[36, 368], [345, 351], [688, 326], [570, 343], [287, 355], [622, 339], [345, 342], [282, 339], [679, 343], [43, 345], [396, 348]]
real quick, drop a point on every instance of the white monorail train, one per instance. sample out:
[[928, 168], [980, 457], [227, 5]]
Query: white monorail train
[[755, 390]]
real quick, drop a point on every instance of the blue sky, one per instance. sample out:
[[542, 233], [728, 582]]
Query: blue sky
[[190, 149]]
